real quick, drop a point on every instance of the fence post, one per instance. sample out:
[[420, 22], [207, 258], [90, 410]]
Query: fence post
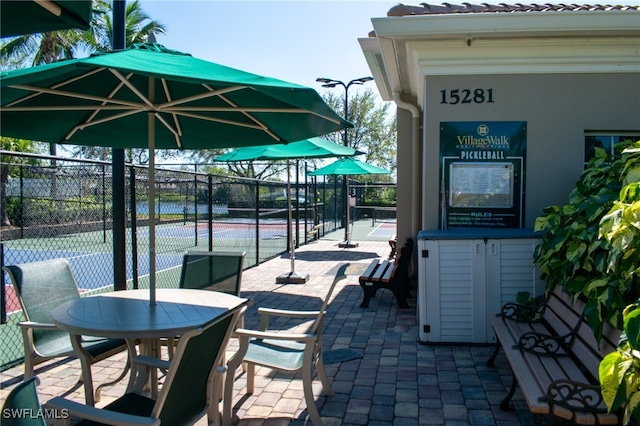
[[195, 207], [210, 211], [134, 227], [257, 222], [3, 296]]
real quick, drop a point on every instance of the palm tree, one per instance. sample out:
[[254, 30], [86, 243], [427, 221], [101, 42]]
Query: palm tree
[[138, 26], [44, 48]]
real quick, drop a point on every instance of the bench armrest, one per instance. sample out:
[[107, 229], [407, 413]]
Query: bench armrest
[[544, 344], [522, 313], [570, 394]]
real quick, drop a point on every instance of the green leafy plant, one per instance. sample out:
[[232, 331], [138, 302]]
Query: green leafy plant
[[619, 371], [573, 252]]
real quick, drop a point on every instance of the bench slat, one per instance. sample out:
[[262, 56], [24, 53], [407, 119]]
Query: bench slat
[[382, 268], [366, 276]]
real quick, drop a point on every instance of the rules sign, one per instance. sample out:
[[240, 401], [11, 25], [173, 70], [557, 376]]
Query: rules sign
[[482, 171]]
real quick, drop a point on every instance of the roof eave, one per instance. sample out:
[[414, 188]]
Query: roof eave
[[567, 23]]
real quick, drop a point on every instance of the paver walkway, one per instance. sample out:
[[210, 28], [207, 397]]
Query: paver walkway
[[398, 381]]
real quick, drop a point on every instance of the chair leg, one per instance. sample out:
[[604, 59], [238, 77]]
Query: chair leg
[[28, 366], [217, 380], [251, 373], [29, 353], [322, 374], [85, 364], [232, 366], [307, 377], [131, 349]]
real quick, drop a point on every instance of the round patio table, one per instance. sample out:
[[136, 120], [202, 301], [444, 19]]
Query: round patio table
[[128, 315]]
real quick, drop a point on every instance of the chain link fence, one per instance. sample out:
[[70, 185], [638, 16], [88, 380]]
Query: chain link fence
[[62, 208], [54, 207]]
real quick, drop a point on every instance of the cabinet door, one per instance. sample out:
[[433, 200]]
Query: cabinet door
[[510, 270], [454, 299]]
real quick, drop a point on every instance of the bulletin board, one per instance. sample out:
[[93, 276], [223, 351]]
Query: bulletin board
[[482, 174]]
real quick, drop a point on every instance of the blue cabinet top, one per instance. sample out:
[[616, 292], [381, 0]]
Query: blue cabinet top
[[477, 234]]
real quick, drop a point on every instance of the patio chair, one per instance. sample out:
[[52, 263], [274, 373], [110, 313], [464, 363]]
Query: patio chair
[[22, 405], [215, 271], [190, 387], [283, 350], [40, 287]]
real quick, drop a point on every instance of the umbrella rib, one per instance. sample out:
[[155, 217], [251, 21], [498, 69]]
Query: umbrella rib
[[84, 96], [243, 110], [113, 92], [55, 86], [102, 120], [132, 87], [234, 105], [171, 129], [231, 122], [204, 95], [178, 128]]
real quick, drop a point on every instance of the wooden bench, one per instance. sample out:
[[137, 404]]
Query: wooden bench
[[314, 233], [392, 274], [554, 358]]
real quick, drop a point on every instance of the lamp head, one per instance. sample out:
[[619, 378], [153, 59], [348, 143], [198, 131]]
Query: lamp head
[[361, 80]]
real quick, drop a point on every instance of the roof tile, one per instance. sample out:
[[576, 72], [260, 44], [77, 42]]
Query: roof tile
[[447, 8]]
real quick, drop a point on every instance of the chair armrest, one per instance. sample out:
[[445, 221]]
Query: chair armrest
[[76, 409], [243, 333], [285, 313], [37, 325], [151, 361], [267, 313]]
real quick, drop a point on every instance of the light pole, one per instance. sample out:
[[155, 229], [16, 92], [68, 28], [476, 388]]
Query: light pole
[[330, 83]]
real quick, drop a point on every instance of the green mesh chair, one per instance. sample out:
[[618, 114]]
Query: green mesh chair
[[22, 406], [40, 287], [188, 389], [217, 271], [283, 350]]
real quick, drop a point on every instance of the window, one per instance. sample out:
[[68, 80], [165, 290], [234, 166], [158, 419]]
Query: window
[[607, 141]]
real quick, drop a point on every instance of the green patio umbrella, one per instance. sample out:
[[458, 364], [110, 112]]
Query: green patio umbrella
[[348, 166], [309, 148], [148, 96], [40, 16]]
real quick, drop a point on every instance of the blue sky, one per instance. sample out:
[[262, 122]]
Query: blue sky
[[295, 41]]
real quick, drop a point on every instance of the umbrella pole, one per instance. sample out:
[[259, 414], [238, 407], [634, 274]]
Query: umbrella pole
[[291, 277], [152, 198], [292, 246], [347, 243]]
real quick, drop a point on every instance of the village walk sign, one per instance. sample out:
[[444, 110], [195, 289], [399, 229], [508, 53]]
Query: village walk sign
[[482, 171]]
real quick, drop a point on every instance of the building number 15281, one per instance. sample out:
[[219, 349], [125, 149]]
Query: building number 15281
[[466, 96]]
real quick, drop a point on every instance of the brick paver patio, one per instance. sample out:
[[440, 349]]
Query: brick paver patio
[[398, 381]]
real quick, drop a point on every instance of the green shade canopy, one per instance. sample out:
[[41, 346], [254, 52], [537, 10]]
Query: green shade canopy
[[40, 16], [104, 100], [349, 166], [308, 148], [151, 97]]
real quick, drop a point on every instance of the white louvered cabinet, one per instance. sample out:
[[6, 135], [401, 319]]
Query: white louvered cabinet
[[466, 275]]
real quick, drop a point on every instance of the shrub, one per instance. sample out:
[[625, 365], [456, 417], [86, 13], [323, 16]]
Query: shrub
[[576, 255]]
